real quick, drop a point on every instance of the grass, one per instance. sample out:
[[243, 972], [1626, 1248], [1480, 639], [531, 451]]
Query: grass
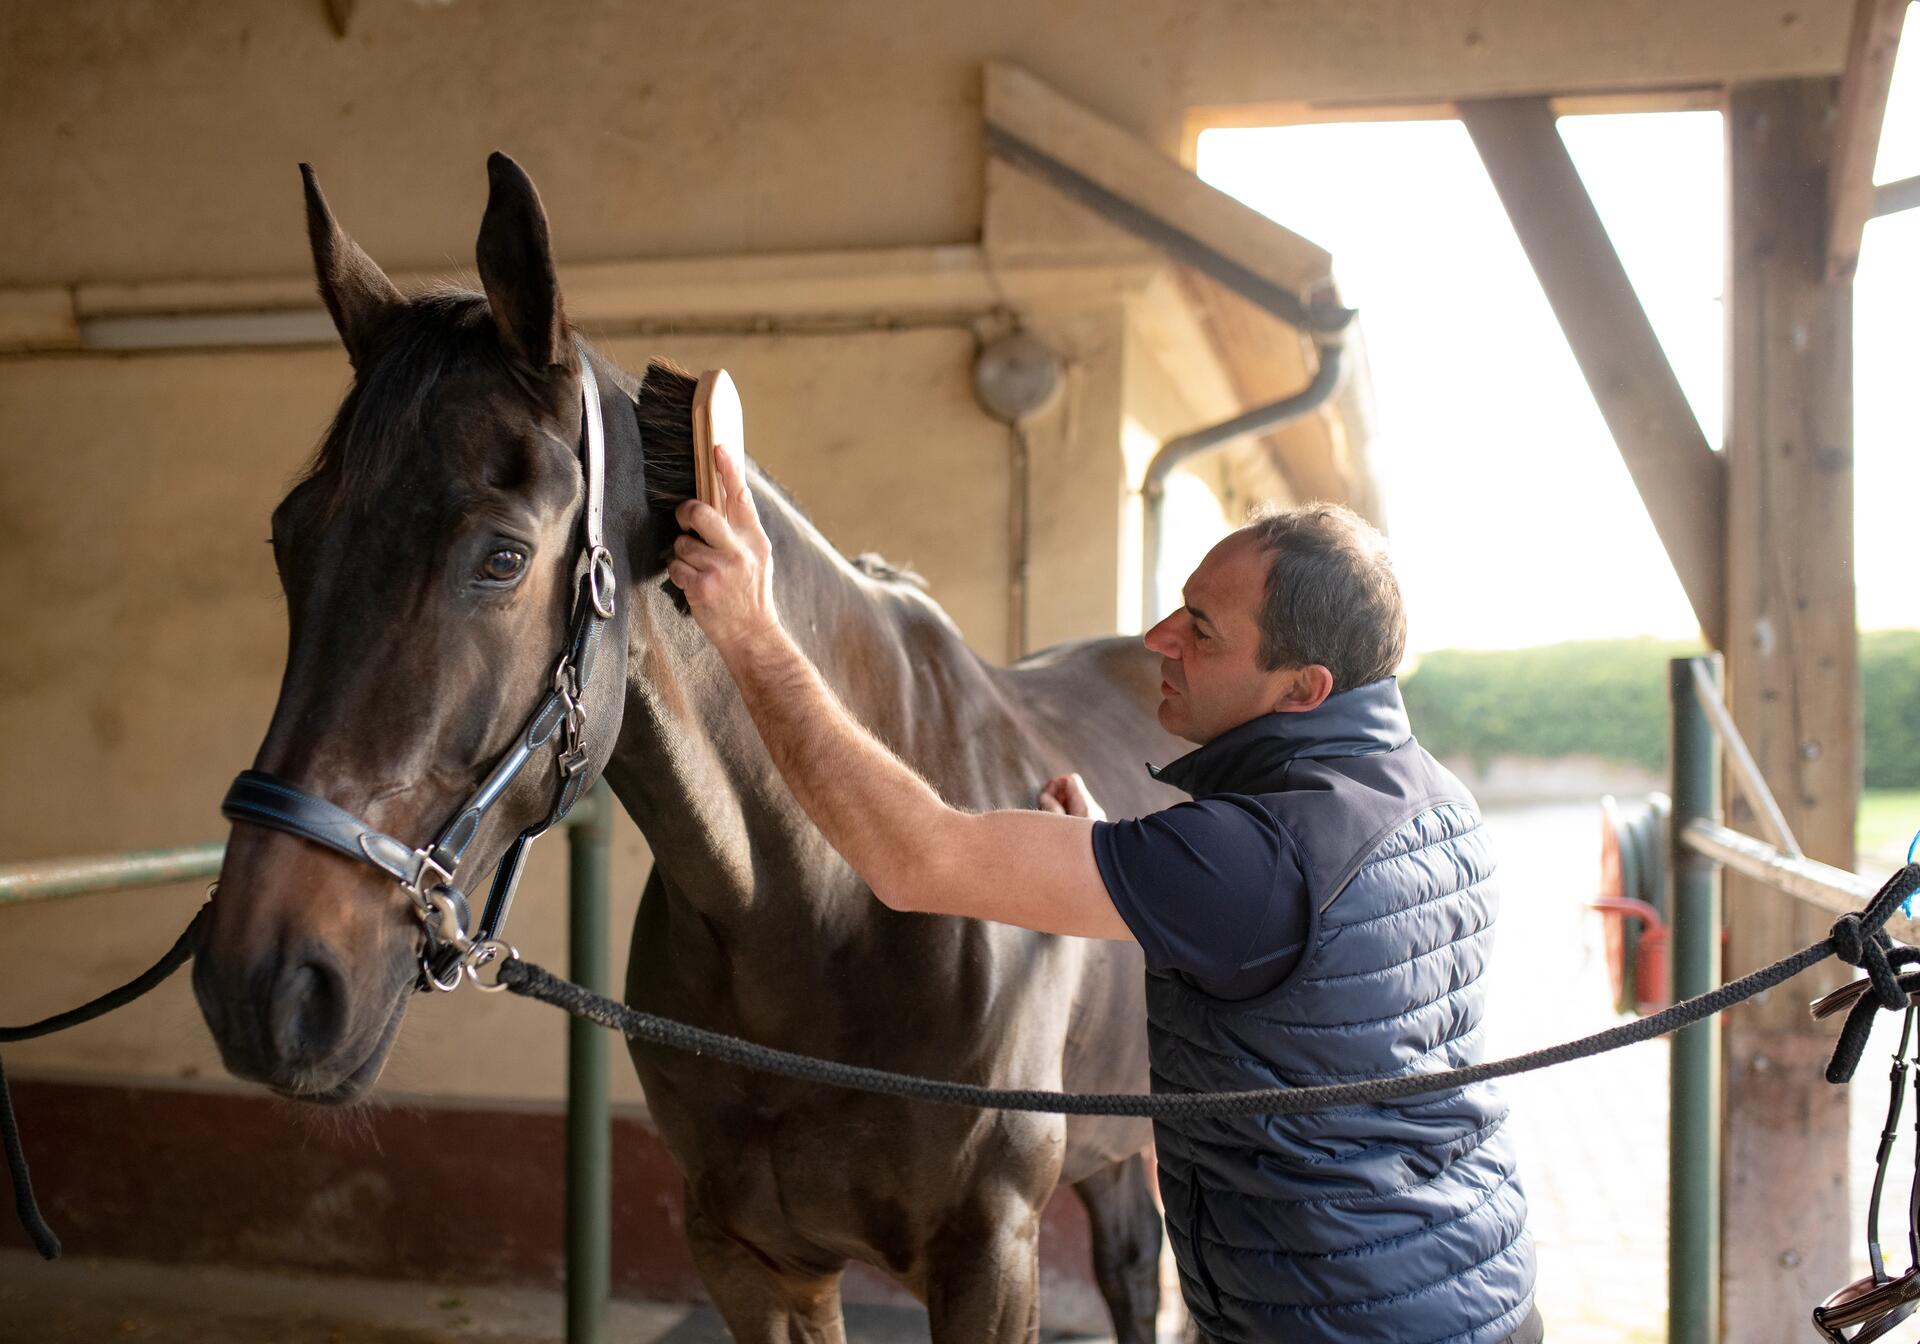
[[1888, 819]]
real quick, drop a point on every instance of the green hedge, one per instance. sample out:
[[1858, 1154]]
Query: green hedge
[[1608, 698]]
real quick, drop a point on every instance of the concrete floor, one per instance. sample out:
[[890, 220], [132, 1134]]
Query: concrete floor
[[82, 1301]]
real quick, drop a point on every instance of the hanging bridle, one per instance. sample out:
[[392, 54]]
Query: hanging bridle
[[426, 873]]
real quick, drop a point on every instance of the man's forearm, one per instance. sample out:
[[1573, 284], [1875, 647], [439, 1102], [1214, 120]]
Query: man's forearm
[[872, 808]]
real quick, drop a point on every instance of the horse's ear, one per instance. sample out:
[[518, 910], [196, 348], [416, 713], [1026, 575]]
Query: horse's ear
[[355, 289], [516, 269]]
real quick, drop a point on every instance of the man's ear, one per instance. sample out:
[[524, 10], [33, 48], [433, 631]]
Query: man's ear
[[1303, 689]]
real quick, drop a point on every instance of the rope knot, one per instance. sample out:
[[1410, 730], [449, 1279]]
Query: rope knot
[[1858, 945]]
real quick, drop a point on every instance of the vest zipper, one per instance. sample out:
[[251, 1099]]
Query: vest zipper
[[1204, 1274]]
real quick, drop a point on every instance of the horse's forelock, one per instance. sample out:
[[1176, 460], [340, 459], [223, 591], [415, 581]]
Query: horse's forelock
[[378, 429]]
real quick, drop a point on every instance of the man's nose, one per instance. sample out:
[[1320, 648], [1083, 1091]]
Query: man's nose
[[1163, 639]]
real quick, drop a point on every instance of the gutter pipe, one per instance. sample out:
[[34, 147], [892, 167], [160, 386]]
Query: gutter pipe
[[1178, 451]]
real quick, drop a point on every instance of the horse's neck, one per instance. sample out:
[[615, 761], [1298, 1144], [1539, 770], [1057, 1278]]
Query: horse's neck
[[691, 768]]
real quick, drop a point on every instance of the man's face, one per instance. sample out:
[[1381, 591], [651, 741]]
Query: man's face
[[1211, 679]]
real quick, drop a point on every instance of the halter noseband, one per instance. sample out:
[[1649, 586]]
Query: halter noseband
[[426, 873]]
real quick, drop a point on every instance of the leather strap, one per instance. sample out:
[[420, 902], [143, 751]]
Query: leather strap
[[266, 801], [594, 431]]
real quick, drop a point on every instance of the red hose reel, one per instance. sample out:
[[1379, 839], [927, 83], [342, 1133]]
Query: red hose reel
[[1632, 902]]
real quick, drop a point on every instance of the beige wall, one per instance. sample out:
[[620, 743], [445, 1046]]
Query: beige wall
[[152, 140], [144, 632]]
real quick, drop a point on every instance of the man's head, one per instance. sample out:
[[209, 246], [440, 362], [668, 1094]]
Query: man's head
[[1281, 614]]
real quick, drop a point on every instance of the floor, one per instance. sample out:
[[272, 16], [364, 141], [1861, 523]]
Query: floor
[[77, 1301]]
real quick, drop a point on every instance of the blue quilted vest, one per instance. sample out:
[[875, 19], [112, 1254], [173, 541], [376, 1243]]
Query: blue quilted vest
[[1401, 1223]]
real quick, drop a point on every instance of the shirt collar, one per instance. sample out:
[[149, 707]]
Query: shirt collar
[[1363, 721]]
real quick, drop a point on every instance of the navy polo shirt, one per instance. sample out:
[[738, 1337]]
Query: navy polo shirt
[[1212, 889]]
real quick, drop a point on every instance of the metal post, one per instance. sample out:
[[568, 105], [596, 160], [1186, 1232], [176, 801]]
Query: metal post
[[1693, 1223], [589, 1120], [56, 879]]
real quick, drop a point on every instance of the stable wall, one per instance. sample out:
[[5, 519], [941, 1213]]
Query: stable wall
[[145, 631], [158, 140]]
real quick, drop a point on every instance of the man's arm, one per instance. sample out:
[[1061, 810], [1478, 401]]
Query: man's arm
[[1030, 868]]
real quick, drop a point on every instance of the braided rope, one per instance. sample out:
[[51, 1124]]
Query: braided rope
[[36, 1227], [1855, 935]]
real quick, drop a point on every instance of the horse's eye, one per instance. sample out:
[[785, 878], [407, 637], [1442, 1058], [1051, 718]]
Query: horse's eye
[[503, 565]]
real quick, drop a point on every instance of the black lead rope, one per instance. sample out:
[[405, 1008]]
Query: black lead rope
[[42, 1236], [1856, 939]]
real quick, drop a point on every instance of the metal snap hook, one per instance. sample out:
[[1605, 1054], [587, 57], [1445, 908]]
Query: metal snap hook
[[485, 953]]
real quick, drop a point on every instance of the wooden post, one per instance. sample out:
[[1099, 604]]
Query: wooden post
[[1871, 48], [1791, 659]]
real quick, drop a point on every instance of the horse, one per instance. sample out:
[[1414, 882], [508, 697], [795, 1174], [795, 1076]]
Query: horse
[[427, 555]]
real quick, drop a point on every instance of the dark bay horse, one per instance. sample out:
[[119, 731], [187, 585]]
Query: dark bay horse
[[427, 558]]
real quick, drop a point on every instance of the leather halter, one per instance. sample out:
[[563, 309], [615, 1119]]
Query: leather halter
[[426, 873]]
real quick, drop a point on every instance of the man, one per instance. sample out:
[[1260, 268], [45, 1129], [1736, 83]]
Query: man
[[1321, 912]]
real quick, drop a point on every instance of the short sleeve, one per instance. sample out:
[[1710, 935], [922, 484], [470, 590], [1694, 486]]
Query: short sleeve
[[1210, 888]]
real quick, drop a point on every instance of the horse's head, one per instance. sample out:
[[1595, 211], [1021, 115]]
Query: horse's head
[[428, 558]]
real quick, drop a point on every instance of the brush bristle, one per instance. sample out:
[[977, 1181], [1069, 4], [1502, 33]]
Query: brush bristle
[[664, 408]]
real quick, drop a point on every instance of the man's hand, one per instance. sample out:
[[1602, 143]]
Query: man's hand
[[1067, 795], [724, 564]]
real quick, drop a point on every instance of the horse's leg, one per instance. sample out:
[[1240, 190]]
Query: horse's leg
[[1126, 1246], [762, 1303], [983, 1283]]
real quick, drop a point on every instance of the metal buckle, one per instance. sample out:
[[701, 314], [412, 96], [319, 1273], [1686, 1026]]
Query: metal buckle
[[600, 582], [573, 728], [420, 886]]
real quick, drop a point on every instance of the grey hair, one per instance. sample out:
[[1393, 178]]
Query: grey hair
[[1331, 596]]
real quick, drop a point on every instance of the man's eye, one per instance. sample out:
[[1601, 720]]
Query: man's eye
[[503, 566]]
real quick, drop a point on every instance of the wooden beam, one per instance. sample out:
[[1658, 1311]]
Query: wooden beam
[[1680, 480], [1023, 112], [1792, 680], [1890, 198], [1868, 75]]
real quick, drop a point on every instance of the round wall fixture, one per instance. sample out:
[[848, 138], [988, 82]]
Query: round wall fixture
[[1017, 376]]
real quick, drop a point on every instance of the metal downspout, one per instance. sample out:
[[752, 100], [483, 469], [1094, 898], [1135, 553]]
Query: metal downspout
[[1177, 451]]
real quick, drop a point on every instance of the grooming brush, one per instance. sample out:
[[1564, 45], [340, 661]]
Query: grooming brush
[[719, 426]]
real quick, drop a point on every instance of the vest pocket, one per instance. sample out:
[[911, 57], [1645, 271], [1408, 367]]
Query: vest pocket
[[1197, 1246]]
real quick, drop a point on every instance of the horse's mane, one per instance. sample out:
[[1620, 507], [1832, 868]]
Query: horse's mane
[[876, 566]]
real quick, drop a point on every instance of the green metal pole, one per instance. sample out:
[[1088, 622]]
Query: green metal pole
[[589, 1117], [1693, 1236], [54, 879]]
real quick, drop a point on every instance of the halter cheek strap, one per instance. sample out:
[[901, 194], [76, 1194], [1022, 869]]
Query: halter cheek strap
[[559, 720]]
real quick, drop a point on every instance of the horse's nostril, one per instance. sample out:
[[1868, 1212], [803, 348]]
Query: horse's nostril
[[309, 1011]]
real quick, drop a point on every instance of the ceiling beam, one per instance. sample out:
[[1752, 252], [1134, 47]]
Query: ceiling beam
[[1890, 198], [1864, 82], [1680, 479], [1131, 184]]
